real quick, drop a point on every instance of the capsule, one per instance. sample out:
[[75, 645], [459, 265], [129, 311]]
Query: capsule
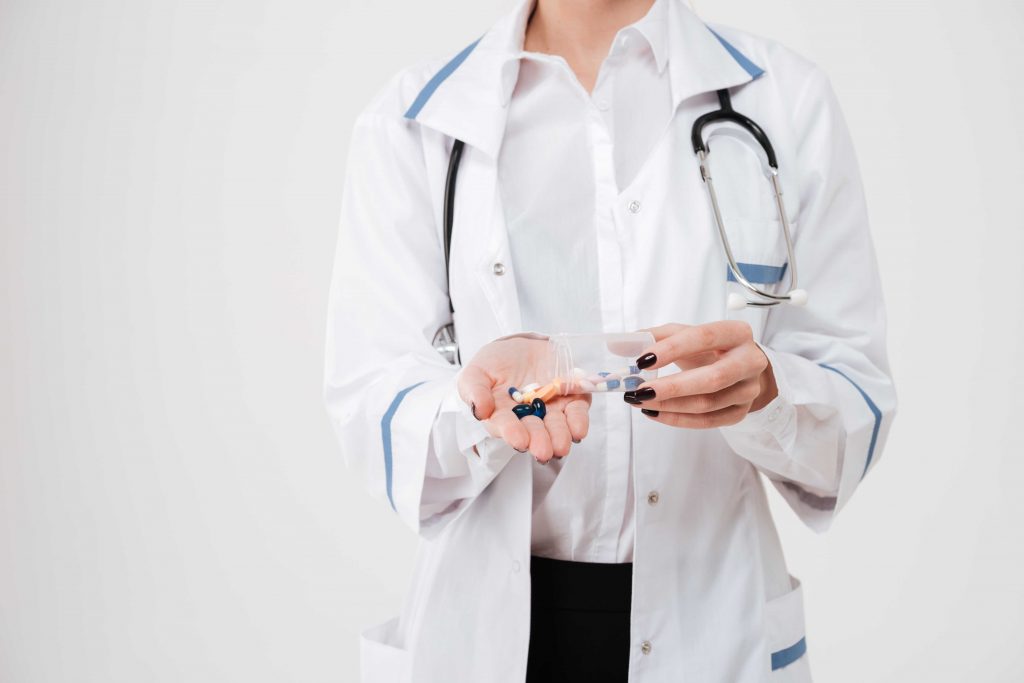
[[632, 382], [522, 410], [539, 409]]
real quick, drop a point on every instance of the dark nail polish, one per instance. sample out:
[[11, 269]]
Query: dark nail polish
[[517, 450], [648, 411], [642, 394], [630, 397], [472, 408], [645, 361]]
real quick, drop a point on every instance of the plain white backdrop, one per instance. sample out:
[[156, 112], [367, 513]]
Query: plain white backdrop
[[172, 504]]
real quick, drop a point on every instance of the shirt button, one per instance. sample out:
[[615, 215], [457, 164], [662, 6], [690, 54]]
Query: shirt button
[[645, 647], [652, 497], [634, 206], [515, 566], [602, 104], [499, 269]]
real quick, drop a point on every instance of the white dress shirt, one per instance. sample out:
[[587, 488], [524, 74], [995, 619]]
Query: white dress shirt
[[566, 157]]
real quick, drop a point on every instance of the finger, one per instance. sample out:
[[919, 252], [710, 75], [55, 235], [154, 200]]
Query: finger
[[558, 431], [475, 387], [733, 366], [577, 417], [510, 429], [540, 440], [741, 393], [717, 418], [674, 341]]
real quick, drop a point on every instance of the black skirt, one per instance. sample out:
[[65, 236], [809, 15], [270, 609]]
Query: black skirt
[[579, 621]]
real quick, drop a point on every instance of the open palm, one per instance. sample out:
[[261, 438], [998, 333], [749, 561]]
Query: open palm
[[484, 382]]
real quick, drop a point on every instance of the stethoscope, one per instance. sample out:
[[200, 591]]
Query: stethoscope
[[445, 340]]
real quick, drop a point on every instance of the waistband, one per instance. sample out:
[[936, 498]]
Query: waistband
[[586, 586]]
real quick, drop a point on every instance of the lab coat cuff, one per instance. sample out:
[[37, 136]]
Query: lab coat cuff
[[778, 417]]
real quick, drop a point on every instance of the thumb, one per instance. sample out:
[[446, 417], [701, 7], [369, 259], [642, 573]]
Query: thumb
[[476, 389]]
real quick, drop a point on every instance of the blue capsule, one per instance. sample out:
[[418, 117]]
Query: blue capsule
[[632, 382], [539, 409], [603, 374], [522, 410], [634, 370], [613, 384], [512, 392]]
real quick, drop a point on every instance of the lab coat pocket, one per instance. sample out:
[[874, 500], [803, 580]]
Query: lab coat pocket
[[381, 659], [785, 636], [759, 247]]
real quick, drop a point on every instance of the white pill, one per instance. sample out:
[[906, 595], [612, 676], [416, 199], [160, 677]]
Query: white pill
[[517, 396], [530, 387]]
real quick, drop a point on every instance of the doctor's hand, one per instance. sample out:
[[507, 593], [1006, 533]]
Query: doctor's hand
[[483, 384], [723, 375]]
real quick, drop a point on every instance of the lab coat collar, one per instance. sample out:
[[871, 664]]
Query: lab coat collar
[[468, 97]]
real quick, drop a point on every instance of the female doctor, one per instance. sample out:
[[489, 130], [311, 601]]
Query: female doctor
[[613, 539]]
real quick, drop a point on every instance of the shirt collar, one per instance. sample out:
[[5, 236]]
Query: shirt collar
[[468, 97], [652, 27]]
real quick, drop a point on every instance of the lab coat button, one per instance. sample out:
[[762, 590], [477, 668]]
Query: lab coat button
[[499, 269], [652, 497], [602, 104], [645, 647], [634, 206], [515, 566]]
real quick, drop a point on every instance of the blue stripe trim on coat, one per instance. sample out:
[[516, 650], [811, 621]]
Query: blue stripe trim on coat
[[385, 433], [753, 69], [789, 655], [758, 273], [438, 79], [874, 411]]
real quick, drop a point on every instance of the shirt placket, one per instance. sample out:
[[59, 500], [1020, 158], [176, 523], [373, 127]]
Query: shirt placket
[[609, 255]]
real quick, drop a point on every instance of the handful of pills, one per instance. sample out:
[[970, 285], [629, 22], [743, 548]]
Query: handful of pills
[[530, 400], [627, 377]]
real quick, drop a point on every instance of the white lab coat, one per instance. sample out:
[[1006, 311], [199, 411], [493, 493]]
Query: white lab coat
[[711, 593]]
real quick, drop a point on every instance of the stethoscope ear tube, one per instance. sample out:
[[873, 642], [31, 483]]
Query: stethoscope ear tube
[[445, 340], [794, 296]]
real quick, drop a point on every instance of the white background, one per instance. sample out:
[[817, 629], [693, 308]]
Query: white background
[[172, 504]]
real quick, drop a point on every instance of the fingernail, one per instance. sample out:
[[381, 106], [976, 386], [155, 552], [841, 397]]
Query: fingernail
[[472, 408], [648, 411], [646, 361], [641, 394], [576, 441]]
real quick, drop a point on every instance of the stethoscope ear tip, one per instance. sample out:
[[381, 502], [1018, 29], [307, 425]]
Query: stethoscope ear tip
[[736, 302], [798, 297]]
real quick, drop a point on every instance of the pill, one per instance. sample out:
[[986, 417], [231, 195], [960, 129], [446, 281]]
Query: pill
[[634, 370], [632, 382], [601, 386], [527, 396], [512, 391], [603, 374], [612, 384], [539, 409], [522, 410], [517, 396], [546, 393], [531, 387]]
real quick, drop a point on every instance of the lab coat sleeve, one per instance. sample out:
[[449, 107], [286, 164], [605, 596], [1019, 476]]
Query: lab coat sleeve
[[826, 429], [391, 398]]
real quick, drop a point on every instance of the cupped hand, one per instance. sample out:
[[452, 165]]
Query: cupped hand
[[483, 384], [723, 375]]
